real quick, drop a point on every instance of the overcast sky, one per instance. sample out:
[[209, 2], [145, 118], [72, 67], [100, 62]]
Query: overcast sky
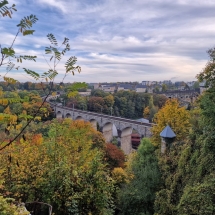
[[118, 40]]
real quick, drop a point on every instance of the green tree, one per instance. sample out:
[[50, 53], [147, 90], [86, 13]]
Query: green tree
[[159, 100], [24, 28], [137, 197], [109, 100], [96, 104], [123, 106], [174, 177], [8, 208], [73, 89], [16, 108], [164, 87], [196, 85], [187, 169], [208, 73], [198, 199], [156, 90], [152, 108]]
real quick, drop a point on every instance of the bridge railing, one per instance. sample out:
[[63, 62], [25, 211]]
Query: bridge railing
[[101, 115]]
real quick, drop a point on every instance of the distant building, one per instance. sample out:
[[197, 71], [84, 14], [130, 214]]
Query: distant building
[[202, 86], [125, 87], [190, 83], [140, 88], [154, 82], [146, 83], [157, 88], [167, 82], [108, 88], [179, 83], [88, 93], [184, 95], [96, 86], [150, 89], [181, 87]]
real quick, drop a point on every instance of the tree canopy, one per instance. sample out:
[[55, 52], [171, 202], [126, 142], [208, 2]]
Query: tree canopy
[[173, 115], [65, 168], [137, 196]]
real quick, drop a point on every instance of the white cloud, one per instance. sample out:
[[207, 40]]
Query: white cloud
[[120, 40], [55, 3]]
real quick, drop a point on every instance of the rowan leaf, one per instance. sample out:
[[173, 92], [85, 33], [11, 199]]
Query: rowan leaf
[[52, 39], [33, 74]]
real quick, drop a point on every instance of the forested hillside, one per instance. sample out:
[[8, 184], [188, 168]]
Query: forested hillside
[[128, 104], [185, 172]]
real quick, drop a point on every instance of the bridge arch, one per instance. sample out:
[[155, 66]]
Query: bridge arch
[[59, 114], [93, 123], [68, 115], [79, 118]]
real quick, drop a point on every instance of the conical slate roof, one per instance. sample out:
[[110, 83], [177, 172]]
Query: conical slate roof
[[167, 133]]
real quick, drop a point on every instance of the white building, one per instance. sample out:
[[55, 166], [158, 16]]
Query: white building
[[191, 83], [125, 87], [146, 83], [140, 88]]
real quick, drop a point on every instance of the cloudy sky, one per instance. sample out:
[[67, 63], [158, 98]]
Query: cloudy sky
[[118, 40]]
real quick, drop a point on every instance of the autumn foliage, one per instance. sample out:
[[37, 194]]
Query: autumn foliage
[[18, 106], [114, 156], [64, 168], [173, 115]]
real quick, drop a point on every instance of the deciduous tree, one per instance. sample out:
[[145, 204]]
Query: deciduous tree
[[65, 168], [114, 156], [208, 73], [173, 115]]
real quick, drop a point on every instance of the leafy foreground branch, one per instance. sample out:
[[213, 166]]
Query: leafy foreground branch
[[8, 55]]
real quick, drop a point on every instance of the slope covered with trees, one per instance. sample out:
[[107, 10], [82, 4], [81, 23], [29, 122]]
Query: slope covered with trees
[[187, 168], [128, 104], [64, 167], [138, 194]]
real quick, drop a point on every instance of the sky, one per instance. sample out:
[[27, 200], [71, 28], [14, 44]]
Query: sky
[[117, 40]]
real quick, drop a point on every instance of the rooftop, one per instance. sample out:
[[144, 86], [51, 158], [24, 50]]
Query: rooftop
[[167, 133]]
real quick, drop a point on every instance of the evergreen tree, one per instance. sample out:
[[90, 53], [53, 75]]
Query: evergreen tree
[[137, 197]]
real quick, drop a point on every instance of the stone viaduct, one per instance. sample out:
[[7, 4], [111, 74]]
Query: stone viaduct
[[183, 95], [105, 124]]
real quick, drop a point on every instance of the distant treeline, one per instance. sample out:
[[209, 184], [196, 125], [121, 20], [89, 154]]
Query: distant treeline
[[39, 87], [128, 104]]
